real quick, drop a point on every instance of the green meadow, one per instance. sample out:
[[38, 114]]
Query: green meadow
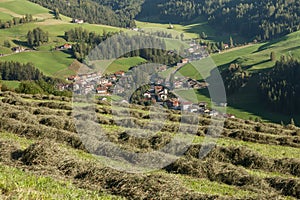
[[124, 64], [48, 62], [192, 30], [256, 58], [23, 7], [52, 63]]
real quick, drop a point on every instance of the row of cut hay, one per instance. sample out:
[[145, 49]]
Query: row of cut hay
[[35, 96], [38, 131], [251, 136], [245, 135], [27, 116], [286, 186], [105, 108], [274, 129], [242, 156], [49, 158], [50, 104], [233, 175]]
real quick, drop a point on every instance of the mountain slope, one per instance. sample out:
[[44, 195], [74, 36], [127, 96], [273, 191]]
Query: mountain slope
[[261, 19], [93, 11]]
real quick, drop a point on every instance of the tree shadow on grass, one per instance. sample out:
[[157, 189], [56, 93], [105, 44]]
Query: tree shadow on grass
[[270, 43], [21, 43]]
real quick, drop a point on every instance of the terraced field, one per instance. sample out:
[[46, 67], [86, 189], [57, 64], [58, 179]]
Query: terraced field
[[38, 140]]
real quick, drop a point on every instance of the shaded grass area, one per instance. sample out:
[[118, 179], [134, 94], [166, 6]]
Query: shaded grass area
[[178, 28]]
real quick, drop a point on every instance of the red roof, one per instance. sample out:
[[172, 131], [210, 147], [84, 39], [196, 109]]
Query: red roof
[[120, 73]]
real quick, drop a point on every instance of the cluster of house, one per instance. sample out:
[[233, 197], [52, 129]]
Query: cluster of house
[[94, 82], [159, 94], [188, 83], [84, 83], [196, 51]]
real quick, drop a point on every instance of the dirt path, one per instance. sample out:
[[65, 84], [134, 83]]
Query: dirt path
[[237, 48], [4, 10]]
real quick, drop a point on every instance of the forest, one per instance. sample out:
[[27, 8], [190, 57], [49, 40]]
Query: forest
[[257, 19], [33, 81], [280, 87], [260, 20], [36, 37], [95, 12], [234, 78], [121, 45], [17, 71], [85, 41]]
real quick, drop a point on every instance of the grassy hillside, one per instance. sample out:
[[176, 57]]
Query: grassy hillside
[[191, 30], [54, 63], [26, 8], [39, 144], [124, 64], [255, 58]]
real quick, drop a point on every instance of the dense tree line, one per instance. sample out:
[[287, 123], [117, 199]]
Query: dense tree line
[[280, 87], [234, 78], [32, 79], [16, 21], [82, 35], [96, 11], [85, 41], [263, 19], [36, 37], [17, 71], [125, 8], [148, 47], [120, 45]]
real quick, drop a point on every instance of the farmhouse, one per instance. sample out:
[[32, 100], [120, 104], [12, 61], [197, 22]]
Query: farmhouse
[[186, 105], [120, 73], [66, 46], [78, 21], [185, 61], [18, 49]]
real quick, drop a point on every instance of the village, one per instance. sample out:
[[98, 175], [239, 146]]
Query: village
[[160, 91]]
